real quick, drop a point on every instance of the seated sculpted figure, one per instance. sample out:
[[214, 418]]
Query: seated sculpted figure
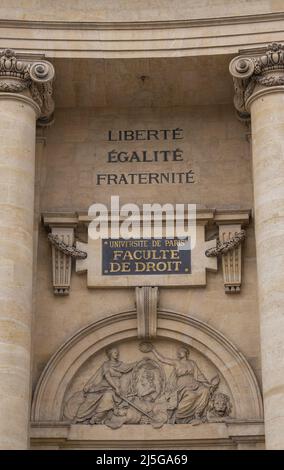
[[102, 392], [187, 381]]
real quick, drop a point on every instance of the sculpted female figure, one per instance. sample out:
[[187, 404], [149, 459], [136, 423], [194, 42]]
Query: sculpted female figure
[[192, 388], [102, 391]]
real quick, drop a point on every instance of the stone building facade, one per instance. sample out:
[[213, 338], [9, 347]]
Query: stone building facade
[[155, 102]]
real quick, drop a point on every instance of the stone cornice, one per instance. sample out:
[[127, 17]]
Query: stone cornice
[[255, 73], [203, 216], [115, 25], [63, 435], [186, 37], [20, 75]]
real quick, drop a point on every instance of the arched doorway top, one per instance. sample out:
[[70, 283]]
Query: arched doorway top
[[219, 350]]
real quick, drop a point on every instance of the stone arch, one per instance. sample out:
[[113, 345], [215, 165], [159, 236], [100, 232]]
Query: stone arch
[[64, 364]]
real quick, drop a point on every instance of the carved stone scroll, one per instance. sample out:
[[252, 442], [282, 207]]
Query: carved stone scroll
[[21, 74], [253, 70], [146, 304]]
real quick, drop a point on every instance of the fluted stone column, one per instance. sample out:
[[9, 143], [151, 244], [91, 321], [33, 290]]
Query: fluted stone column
[[259, 85], [25, 96]]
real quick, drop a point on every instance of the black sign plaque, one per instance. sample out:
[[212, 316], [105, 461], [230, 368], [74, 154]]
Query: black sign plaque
[[146, 256]]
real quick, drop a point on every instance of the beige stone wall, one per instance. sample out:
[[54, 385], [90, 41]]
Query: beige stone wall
[[215, 145], [106, 10]]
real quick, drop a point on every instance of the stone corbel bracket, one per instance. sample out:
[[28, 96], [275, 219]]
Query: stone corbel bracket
[[229, 247], [61, 237], [20, 73], [231, 236], [146, 306]]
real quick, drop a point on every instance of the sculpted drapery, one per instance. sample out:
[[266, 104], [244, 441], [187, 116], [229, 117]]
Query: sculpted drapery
[[139, 393]]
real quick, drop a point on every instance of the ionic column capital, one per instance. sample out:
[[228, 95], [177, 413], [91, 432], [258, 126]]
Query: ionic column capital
[[255, 74], [28, 77]]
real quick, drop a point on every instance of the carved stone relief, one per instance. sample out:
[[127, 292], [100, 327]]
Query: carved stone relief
[[154, 389], [76, 362]]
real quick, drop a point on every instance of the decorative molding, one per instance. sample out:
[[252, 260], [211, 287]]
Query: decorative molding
[[18, 74], [121, 25], [108, 39], [248, 132], [64, 365], [146, 305], [233, 435], [40, 138], [252, 71]]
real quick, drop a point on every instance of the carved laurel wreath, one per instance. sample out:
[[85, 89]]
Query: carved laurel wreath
[[271, 80], [223, 248], [66, 249], [14, 86]]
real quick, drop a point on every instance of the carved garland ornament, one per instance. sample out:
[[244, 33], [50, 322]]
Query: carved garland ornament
[[265, 70], [66, 249], [223, 248], [17, 75]]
